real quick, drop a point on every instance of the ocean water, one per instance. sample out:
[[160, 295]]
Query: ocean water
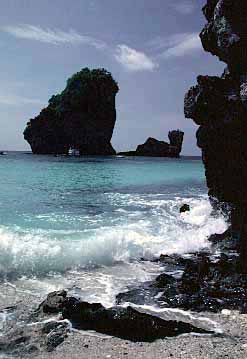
[[85, 224]]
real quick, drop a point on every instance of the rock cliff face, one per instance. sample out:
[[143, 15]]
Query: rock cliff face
[[219, 106], [82, 117], [176, 138], [155, 148]]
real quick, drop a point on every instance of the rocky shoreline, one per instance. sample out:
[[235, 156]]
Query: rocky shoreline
[[203, 283], [232, 345], [210, 281], [204, 293]]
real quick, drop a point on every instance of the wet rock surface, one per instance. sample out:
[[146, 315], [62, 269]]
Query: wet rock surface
[[53, 303], [29, 334], [82, 117], [184, 208], [126, 323], [200, 283], [31, 329], [209, 282]]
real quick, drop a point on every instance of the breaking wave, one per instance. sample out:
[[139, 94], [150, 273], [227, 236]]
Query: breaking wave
[[153, 228]]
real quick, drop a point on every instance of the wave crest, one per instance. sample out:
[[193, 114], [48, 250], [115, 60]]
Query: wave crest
[[165, 231]]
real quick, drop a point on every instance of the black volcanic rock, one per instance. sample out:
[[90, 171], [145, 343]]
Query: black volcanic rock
[[184, 208], [155, 148], [127, 323], [207, 283], [82, 117], [219, 106], [53, 303]]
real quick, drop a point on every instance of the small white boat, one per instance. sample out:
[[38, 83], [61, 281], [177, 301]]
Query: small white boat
[[73, 152]]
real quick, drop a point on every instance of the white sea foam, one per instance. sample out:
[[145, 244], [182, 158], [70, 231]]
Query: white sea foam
[[161, 230]]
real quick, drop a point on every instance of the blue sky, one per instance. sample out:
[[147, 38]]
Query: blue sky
[[151, 48]]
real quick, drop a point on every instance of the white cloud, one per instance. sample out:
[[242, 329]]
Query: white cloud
[[176, 45], [129, 58], [13, 100], [134, 60], [184, 7], [54, 37]]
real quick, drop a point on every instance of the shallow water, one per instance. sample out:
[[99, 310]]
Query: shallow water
[[85, 223]]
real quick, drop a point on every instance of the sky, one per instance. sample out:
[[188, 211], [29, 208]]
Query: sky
[[151, 47]]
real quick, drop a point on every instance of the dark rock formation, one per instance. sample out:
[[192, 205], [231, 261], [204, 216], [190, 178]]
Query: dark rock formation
[[126, 323], [207, 284], [54, 302], [164, 279], [184, 208], [219, 107], [82, 117], [27, 341], [55, 333], [155, 148], [224, 242], [176, 138]]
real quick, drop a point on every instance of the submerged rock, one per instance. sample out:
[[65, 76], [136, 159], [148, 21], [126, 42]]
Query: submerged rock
[[81, 117], [155, 148], [184, 208], [219, 106]]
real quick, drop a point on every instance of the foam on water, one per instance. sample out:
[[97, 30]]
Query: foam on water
[[38, 252], [84, 224]]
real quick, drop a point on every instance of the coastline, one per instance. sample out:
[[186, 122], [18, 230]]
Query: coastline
[[137, 254], [30, 339], [232, 345], [228, 341]]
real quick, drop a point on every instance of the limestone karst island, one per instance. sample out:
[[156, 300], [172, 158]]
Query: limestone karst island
[[83, 117]]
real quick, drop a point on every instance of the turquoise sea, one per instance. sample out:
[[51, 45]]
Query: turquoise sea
[[85, 224]]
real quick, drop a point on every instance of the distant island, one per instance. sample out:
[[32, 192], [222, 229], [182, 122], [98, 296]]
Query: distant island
[[155, 148], [82, 117]]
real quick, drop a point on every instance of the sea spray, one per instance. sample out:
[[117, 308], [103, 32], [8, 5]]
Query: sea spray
[[41, 252], [86, 224]]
